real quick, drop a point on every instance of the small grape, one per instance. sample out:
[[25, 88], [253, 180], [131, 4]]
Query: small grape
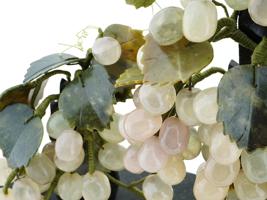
[[68, 145], [194, 146], [57, 124], [70, 186], [106, 50], [204, 133], [184, 106], [174, 171], [173, 136], [131, 160], [49, 150], [111, 156], [4, 171], [136, 99], [26, 189], [237, 4], [112, 134], [151, 156], [96, 186], [257, 10], [157, 99], [70, 166], [205, 106], [205, 152], [166, 26], [155, 189], [41, 170], [9, 196], [139, 58]]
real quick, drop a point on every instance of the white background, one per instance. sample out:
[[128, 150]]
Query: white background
[[31, 29]]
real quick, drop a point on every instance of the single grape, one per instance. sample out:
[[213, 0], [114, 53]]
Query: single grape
[[112, 134], [131, 160], [194, 146], [221, 175], [106, 50], [4, 171], [139, 125], [70, 186], [200, 21], [184, 106], [237, 4], [257, 11], [136, 99], [68, 145], [222, 149], [49, 150], [70, 166], [166, 26], [139, 58], [96, 186], [174, 171], [9, 196], [205, 106], [155, 189], [205, 152], [247, 190], [157, 99], [254, 165], [173, 136], [151, 156], [204, 133], [57, 124], [26, 189], [41, 170], [111, 156]]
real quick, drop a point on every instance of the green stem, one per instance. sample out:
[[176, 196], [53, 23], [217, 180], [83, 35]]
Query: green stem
[[35, 94], [221, 5], [259, 56], [243, 40], [138, 182], [9, 180], [40, 111], [91, 153], [53, 185], [234, 15]]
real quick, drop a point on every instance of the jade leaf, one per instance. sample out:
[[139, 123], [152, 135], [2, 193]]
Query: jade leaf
[[242, 99], [131, 76], [20, 139], [86, 102], [140, 3], [48, 63]]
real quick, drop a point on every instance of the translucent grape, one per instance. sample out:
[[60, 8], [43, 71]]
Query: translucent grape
[[254, 165], [49, 150], [205, 152], [166, 26], [139, 125], [70, 186], [205, 106], [184, 106], [200, 21], [221, 175], [9, 196], [136, 99], [157, 99], [131, 160], [57, 124], [247, 190], [221, 148], [237, 4], [68, 145], [155, 189], [122, 130], [96, 186], [4, 171], [139, 58], [112, 135], [173, 136], [25, 189], [205, 190], [70, 166], [174, 171], [194, 146], [106, 50], [41, 170], [204, 133], [257, 10], [111, 156]]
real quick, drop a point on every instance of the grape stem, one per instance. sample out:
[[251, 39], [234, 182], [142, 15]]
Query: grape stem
[[138, 182], [9, 180], [221, 5], [91, 153], [128, 187], [53, 185]]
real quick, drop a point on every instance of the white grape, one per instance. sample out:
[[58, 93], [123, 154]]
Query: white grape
[[9, 195], [139, 58], [122, 130], [205, 106], [184, 106], [26, 189], [41, 170], [70, 186], [49, 150], [130, 160], [68, 145], [257, 10], [194, 146], [155, 189], [204, 133], [111, 156], [96, 186], [237, 4], [4, 171], [136, 99], [157, 99], [57, 124], [174, 171], [166, 26], [106, 50]]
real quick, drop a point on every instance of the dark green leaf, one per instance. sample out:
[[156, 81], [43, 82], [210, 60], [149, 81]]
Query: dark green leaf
[[140, 3], [48, 63], [131, 76], [242, 99], [19, 139], [87, 101]]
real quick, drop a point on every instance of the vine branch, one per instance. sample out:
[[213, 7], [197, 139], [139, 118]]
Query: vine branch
[[221, 5], [53, 185], [9, 180]]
